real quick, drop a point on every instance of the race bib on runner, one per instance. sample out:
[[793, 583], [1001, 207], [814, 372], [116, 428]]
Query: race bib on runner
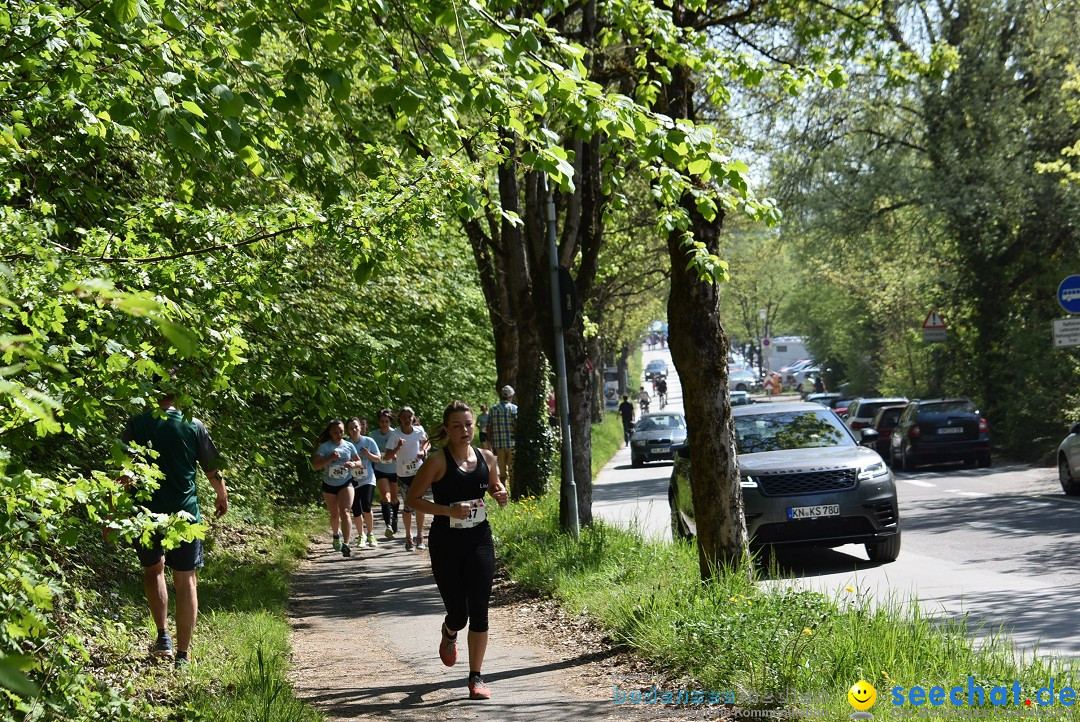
[[477, 514], [338, 471], [411, 467]]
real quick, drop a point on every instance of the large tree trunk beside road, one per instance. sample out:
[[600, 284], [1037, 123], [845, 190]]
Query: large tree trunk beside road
[[699, 349]]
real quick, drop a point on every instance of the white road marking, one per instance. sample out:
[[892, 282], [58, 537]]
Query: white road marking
[[916, 482], [1032, 502], [973, 494], [995, 527]]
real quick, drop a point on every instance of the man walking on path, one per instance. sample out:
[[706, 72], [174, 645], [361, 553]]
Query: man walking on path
[[179, 443], [626, 410], [502, 420]]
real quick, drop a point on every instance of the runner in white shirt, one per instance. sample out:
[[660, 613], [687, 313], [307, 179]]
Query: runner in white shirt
[[407, 446]]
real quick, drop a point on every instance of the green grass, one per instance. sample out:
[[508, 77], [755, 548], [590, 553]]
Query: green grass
[[607, 434], [607, 438], [733, 634], [240, 649]]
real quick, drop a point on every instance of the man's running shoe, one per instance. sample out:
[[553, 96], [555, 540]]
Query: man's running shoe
[[182, 660], [346, 551], [420, 545], [337, 542], [163, 646], [477, 688], [408, 544], [388, 533], [371, 541], [448, 648]]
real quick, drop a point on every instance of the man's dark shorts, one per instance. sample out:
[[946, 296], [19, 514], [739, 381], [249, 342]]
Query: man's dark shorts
[[390, 476], [185, 558]]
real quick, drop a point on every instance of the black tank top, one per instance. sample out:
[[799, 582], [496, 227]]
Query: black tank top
[[457, 485]]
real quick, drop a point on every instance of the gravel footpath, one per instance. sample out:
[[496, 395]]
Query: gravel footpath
[[365, 647]]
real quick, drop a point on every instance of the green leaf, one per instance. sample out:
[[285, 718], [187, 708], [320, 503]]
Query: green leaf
[[172, 21], [12, 677], [181, 337], [125, 10], [250, 156], [193, 108], [699, 166], [162, 97]]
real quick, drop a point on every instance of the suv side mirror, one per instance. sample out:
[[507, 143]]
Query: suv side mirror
[[1075, 428], [868, 436]]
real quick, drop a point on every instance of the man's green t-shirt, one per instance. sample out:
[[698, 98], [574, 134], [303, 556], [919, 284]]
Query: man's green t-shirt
[[182, 445]]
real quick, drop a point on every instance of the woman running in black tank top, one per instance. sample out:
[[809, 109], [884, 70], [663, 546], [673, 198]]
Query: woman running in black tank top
[[462, 552]]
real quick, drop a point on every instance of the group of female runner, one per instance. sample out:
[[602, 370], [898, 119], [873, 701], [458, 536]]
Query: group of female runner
[[458, 474]]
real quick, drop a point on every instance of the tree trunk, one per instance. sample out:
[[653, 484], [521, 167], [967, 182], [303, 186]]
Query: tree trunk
[[699, 349]]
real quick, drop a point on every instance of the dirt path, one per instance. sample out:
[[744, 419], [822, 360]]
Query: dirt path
[[365, 636]]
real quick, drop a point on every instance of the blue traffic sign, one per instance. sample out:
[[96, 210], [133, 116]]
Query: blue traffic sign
[[1069, 294]]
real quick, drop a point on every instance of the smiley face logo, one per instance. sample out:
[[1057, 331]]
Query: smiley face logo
[[862, 695]]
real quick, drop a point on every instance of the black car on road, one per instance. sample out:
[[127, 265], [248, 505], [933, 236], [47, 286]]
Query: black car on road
[[939, 430], [657, 368]]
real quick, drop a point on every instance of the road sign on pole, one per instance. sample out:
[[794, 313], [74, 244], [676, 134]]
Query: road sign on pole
[[1066, 332], [1068, 294], [933, 327]]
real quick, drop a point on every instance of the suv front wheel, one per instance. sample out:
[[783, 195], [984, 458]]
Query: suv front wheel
[[885, 551]]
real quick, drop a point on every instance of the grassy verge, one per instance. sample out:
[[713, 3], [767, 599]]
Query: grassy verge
[[607, 438], [240, 649], [736, 635], [607, 435]]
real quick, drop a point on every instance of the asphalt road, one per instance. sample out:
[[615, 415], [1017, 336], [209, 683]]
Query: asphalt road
[[999, 545]]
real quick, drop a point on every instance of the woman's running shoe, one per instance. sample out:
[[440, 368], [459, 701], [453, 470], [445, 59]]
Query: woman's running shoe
[[477, 688], [447, 648]]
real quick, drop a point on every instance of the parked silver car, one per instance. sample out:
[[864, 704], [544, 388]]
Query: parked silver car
[[806, 480], [741, 378], [1068, 459]]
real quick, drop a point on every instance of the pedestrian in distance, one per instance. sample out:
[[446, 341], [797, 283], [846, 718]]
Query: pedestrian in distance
[[363, 479], [626, 410], [386, 475], [407, 447], [462, 551], [481, 425], [502, 426], [819, 385], [183, 445], [335, 456]]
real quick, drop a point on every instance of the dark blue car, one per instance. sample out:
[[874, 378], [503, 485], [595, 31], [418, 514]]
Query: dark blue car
[[932, 431]]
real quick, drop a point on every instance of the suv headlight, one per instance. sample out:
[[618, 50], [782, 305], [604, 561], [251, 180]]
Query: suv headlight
[[874, 470], [748, 482], [637, 442]]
